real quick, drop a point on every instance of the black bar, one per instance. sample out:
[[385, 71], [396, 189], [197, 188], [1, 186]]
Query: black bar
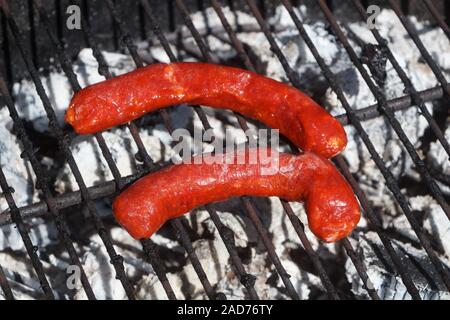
[[4, 284], [31, 249]]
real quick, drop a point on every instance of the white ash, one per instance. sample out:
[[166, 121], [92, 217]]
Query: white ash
[[101, 274], [23, 280], [26, 286], [387, 283], [93, 165], [58, 88], [20, 177], [439, 159], [435, 221], [214, 258]]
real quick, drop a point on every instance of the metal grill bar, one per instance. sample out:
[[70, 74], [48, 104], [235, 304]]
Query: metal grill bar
[[31, 249], [5, 49], [150, 250], [420, 165], [70, 199], [360, 268], [409, 87], [4, 284], [396, 104], [63, 144], [246, 279], [264, 235], [59, 219], [409, 284]]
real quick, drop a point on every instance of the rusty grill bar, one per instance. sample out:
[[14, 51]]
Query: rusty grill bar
[[354, 117]]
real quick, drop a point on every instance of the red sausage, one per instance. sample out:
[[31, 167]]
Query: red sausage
[[331, 206], [278, 105]]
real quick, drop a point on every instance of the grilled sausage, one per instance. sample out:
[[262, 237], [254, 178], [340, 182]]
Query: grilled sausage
[[331, 206], [128, 97]]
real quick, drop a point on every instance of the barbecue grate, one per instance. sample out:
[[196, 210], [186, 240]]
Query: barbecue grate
[[147, 19]]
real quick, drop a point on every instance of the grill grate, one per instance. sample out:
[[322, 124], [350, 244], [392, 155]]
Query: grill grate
[[354, 117]]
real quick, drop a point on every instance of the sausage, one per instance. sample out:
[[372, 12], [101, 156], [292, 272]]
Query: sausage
[[278, 105], [331, 206]]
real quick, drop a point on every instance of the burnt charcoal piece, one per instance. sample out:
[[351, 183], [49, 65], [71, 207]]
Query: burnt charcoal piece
[[374, 56]]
